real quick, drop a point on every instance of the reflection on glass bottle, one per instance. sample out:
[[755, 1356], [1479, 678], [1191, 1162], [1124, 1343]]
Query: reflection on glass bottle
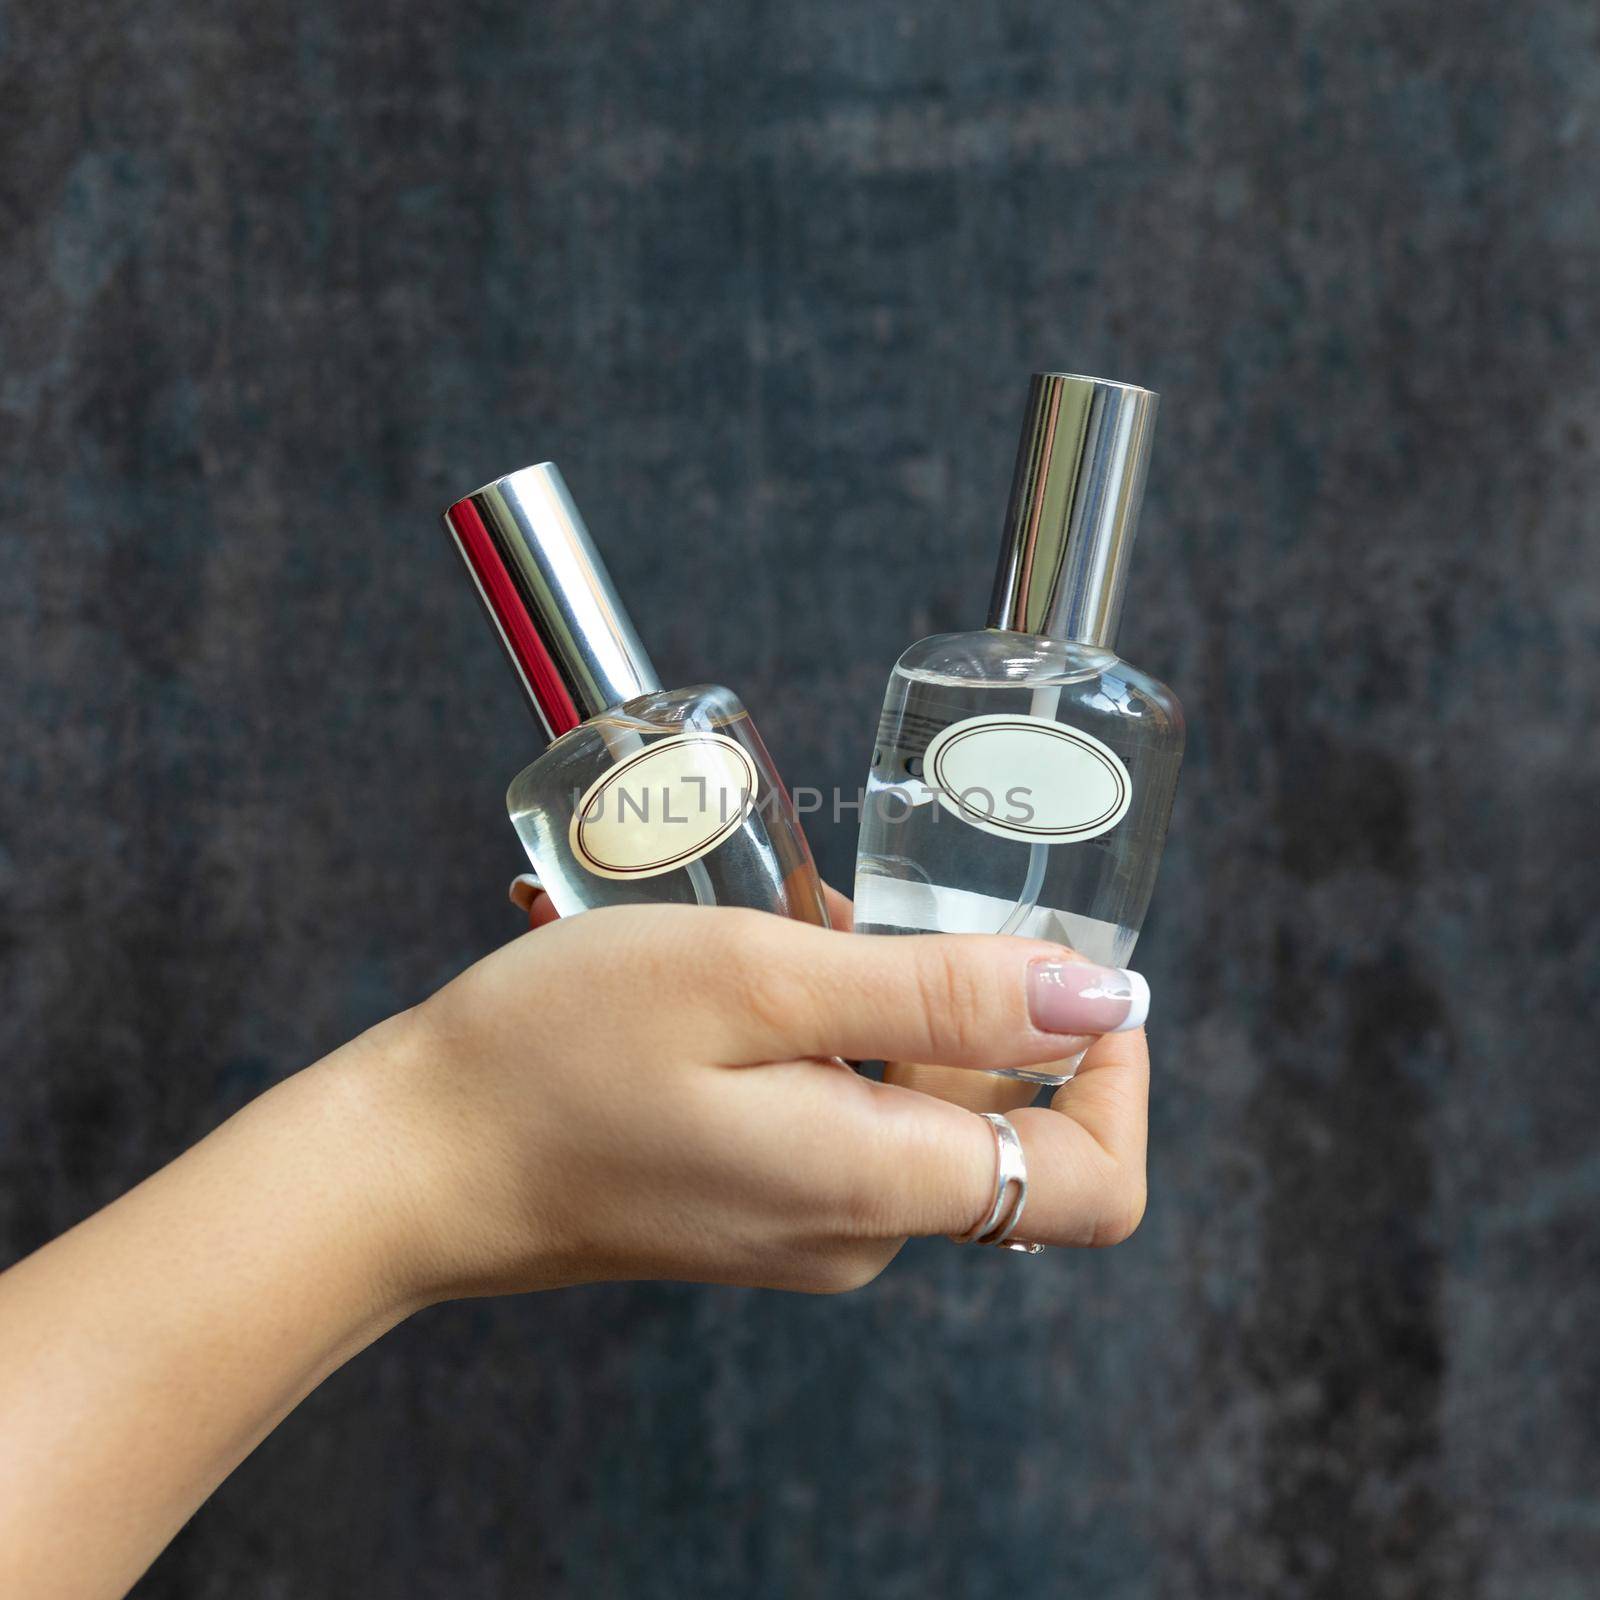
[[1023, 775]]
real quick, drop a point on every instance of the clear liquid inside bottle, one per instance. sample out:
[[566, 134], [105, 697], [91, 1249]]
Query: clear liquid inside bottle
[[921, 869]]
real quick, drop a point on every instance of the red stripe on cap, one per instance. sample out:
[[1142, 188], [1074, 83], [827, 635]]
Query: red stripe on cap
[[516, 626]]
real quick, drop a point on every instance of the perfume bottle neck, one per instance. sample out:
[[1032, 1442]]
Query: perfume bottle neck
[[1085, 608]]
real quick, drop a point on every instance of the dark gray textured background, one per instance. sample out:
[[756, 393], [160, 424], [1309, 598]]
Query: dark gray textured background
[[767, 281]]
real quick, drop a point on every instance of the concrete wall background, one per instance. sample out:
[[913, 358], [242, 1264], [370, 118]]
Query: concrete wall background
[[767, 281]]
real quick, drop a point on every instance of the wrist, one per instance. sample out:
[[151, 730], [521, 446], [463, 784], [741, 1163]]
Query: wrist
[[359, 1105], [442, 1192]]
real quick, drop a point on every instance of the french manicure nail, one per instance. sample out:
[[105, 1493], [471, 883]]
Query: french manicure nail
[[523, 889], [1076, 997]]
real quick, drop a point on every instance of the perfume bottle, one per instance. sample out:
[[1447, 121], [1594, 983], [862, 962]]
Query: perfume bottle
[[644, 794], [1023, 775]]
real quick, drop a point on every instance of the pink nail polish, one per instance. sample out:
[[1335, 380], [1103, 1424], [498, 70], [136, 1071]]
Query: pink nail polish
[[1076, 997]]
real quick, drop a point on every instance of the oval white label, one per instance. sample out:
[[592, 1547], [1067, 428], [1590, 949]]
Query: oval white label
[[664, 806], [1028, 778]]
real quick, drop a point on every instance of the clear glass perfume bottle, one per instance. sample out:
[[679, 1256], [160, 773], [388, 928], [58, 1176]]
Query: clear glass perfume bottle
[[1023, 776], [644, 794]]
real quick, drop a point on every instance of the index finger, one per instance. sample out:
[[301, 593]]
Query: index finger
[[1095, 1131], [925, 1167]]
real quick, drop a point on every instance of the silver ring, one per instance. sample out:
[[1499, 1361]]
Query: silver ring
[[1010, 1191]]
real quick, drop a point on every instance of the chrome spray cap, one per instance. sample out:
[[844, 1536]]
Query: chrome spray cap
[[1074, 509], [550, 597]]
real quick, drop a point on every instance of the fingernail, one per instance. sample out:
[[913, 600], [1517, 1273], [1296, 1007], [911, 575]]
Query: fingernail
[[522, 891], [1076, 997]]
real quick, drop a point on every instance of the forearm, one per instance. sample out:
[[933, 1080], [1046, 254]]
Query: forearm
[[147, 1351]]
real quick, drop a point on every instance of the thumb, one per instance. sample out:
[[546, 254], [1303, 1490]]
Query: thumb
[[972, 1000]]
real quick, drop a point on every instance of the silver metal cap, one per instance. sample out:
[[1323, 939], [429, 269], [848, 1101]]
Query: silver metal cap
[[1074, 508], [550, 597]]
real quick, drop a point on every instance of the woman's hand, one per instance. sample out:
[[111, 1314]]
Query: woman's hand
[[647, 1093], [637, 1093]]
